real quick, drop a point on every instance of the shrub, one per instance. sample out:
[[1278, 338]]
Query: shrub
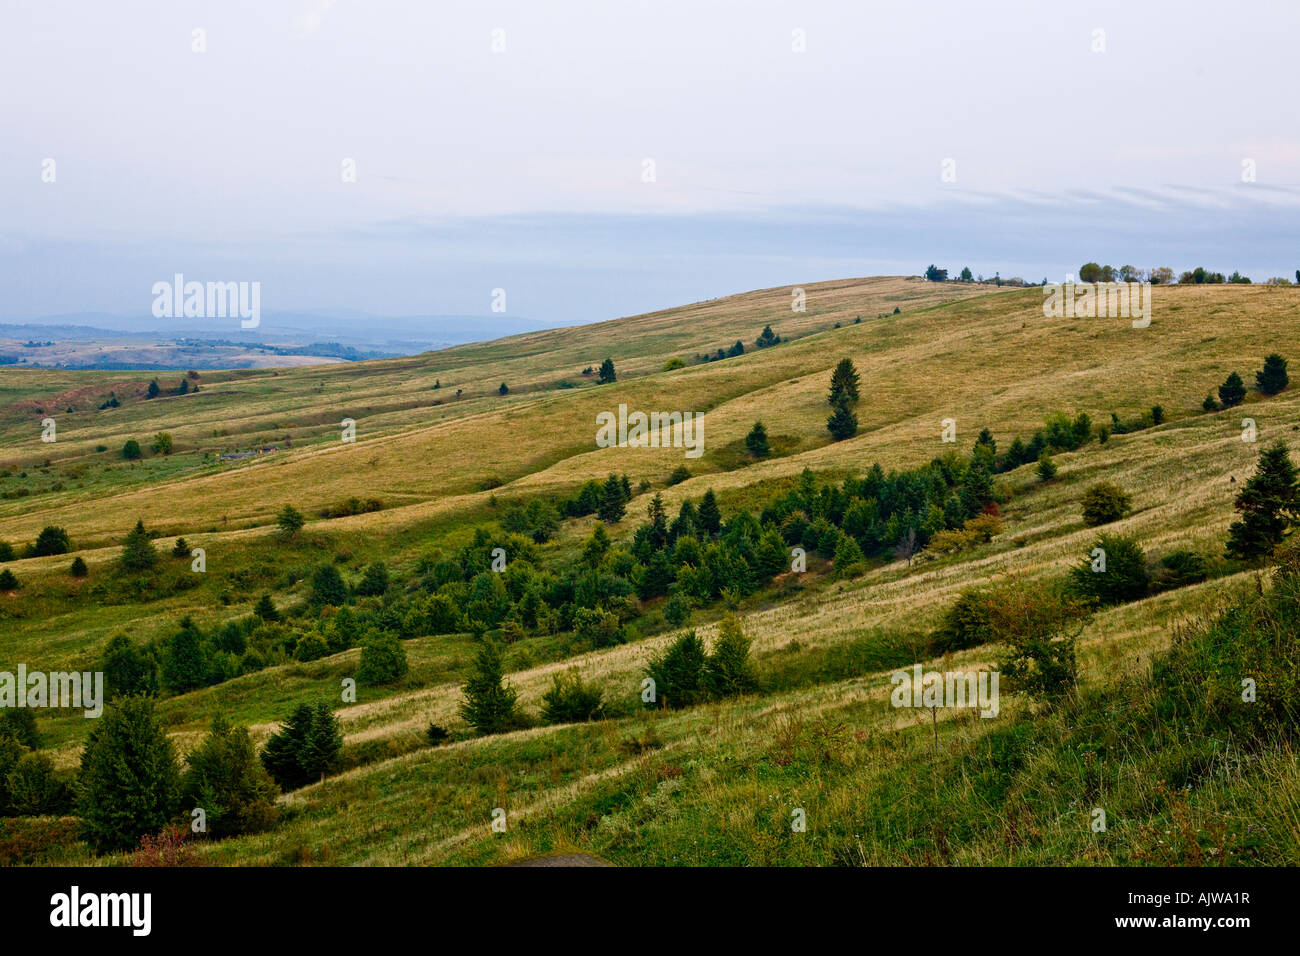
[[673, 364], [78, 569], [968, 623], [184, 665], [570, 700], [679, 474], [51, 540], [327, 586], [128, 784], [162, 443], [33, 788], [374, 582], [1179, 569], [1039, 627], [490, 705], [224, 777], [1103, 503], [848, 558], [602, 628], [131, 450], [1115, 575], [1209, 405], [265, 608], [8, 581], [312, 646], [305, 749], [6, 551], [678, 673], [383, 659], [436, 734], [676, 611]]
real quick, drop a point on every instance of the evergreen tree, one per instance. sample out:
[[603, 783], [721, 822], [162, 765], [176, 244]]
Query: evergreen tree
[[756, 441], [51, 540], [710, 517], [504, 389], [489, 704], [153, 391], [128, 784], [127, 669], [1269, 503], [138, 553], [224, 777], [305, 749], [597, 544], [607, 373], [184, 664], [844, 383], [265, 608], [843, 423], [1272, 378], [678, 673], [729, 670], [289, 520], [767, 338], [613, 500], [327, 586], [131, 450], [180, 549], [78, 569], [8, 581], [1232, 391], [1046, 467]]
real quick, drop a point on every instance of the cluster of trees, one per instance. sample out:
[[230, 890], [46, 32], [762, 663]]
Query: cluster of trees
[[766, 339], [681, 675], [130, 783], [1269, 380], [1159, 275], [154, 389]]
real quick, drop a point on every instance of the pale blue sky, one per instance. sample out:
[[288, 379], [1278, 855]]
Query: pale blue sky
[[523, 169]]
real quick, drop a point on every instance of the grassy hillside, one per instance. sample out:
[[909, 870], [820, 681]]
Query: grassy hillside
[[714, 783]]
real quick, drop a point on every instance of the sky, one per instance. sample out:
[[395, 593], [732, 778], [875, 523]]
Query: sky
[[598, 159]]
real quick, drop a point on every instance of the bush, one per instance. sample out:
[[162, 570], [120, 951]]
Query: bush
[[570, 700], [1103, 503], [289, 520], [679, 474], [968, 623], [1046, 467], [1039, 627], [312, 646], [602, 628], [1178, 569], [128, 784], [490, 705], [756, 441], [8, 581], [676, 611], [383, 659], [327, 586], [436, 735], [673, 364], [7, 549], [374, 582], [51, 540], [20, 724], [678, 673], [131, 450], [224, 777], [1209, 405], [265, 608], [1117, 575], [33, 788], [128, 670], [78, 569], [305, 749]]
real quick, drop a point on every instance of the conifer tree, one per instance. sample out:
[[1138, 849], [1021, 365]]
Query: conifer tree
[[710, 517], [1272, 378], [756, 441], [844, 383], [1269, 503], [489, 704], [138, 553]]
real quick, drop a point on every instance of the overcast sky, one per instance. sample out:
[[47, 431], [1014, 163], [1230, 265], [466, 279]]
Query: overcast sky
[[525, 168]]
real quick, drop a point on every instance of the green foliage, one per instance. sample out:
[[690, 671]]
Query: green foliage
[[767, 338], [8, 581], [843, 423], [128, 784], [678, 673], [20, 724], [490, 705], [729, 671], [600, 627], [265, 608], [1105, 502], [374, 583], [710, 517], [184, 664], [51, 540], [128, 670], [1046, 468], [1038, 627], [968, 623], [289, 520], [569, 700], [138, 552], [1117, 575], [1178, 569], [607, 374], [162, 443], [305, 749], [1269, 503], [1272, 378], [1232, 391], [677, 611], [756, 441], [224, 777], [383, 659], [327, 587], [613, 500], [844, 383]]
